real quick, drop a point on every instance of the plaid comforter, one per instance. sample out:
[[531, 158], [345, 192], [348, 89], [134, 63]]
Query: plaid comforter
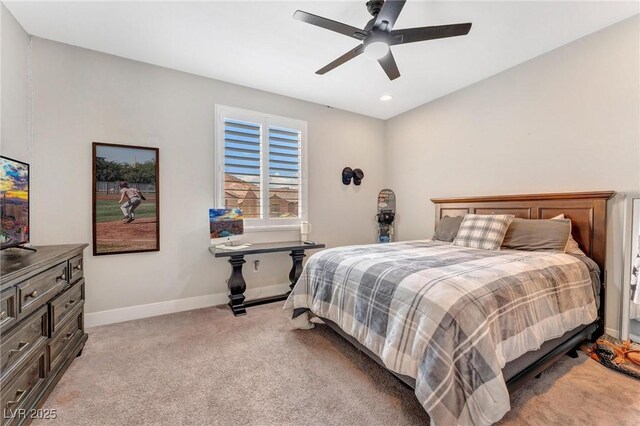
[[450, 317]]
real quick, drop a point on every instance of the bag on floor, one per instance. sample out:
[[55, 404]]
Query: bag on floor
[[619, 355]]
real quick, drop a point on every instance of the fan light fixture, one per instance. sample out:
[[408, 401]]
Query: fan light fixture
[[378, 35], [376, 50]]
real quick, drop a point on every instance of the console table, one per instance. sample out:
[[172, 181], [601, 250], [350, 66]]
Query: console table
[[236, 283]]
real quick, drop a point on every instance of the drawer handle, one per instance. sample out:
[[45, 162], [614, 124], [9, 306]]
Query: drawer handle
[[62, 277], [34, 294], [18, 397], [78, 267], [71, 302], [68, 336], [3, 315], [21, 347]]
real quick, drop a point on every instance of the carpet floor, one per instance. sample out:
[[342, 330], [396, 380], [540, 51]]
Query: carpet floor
[[208, 367]]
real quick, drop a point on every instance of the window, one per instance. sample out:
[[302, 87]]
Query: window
[[260, 160]]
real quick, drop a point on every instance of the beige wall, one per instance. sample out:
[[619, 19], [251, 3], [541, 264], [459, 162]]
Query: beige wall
[[568, 120], [565, 121], [14, 117], [83, 96]]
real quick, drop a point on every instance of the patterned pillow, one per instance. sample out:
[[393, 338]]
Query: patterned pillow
[[483, 231]]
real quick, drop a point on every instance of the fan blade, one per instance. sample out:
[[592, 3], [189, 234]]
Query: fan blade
[[389, 14], [412, 35], [330, 25], [389, 66], [342, 59]]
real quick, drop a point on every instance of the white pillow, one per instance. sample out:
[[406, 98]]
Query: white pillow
[[572, 245]]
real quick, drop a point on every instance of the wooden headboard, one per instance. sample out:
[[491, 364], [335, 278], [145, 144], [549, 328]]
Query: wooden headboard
[[587, 211]]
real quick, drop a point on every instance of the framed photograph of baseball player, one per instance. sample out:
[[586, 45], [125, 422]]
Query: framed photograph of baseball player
[[126, 196]]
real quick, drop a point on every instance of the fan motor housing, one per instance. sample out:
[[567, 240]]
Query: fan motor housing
[[374, 6]]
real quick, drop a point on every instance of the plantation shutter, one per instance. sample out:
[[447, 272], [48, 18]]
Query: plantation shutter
[[284, 173], [242, 166], [260, 162]]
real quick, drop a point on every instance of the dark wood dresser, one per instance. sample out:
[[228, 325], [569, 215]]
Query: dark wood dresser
[[41, 326]]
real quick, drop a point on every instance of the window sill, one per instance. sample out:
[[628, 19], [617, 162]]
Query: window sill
[[271, 228]]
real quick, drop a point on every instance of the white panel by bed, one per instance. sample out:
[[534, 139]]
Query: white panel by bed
[[630, 321]]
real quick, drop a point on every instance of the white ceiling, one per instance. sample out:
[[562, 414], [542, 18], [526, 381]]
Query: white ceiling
[[258, 44]]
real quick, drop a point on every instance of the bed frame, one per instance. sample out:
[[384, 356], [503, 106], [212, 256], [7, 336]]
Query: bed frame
[[588, 214]]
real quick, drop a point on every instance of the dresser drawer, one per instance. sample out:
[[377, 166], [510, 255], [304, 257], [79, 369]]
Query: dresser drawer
[[76, 269], [8, 311], [37, 290], [66, 336], [27, 383], [63, 305], [20, 344]]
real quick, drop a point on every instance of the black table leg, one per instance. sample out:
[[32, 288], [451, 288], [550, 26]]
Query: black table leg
[[237, 286], [296, 269]]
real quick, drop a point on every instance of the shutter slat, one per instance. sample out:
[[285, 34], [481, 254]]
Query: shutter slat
[[229, 139], [284, 154], [238, 157], [242, 126], [294, 163], [285, 163], [248, 151], [243, 174], [288, 148], [278, 141], [235, 132], [282, 169], [284, 132], [242, 166]]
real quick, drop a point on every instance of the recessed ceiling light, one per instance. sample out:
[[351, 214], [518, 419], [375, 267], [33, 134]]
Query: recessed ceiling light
[[385, 98]]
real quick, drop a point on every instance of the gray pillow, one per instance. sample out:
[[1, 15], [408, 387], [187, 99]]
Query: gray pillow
[[538, 235], [447, 228]]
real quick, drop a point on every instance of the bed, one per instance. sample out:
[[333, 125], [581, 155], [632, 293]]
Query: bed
[[464, 327]]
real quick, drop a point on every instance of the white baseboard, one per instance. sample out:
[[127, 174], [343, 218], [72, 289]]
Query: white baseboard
[[613, 332], [113, 316]]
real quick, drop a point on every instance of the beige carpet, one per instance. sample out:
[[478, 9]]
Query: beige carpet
[[207, 367]]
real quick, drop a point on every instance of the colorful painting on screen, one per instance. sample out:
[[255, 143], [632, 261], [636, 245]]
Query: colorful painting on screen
[[14, 202], [225, 223]]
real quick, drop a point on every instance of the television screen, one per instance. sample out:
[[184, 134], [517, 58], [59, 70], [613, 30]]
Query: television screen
[[14, 202], [225, 223]]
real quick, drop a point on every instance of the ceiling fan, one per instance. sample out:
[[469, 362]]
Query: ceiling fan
[[378, 35]]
